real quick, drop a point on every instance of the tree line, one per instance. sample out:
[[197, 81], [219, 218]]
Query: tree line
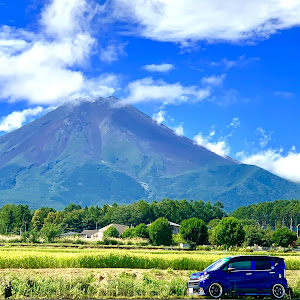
[[19, 218], [275, 214]]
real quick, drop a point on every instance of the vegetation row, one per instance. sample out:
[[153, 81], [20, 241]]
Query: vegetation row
[[44, 258]]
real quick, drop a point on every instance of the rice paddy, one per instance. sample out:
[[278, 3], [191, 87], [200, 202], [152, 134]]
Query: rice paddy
[[41, 257]]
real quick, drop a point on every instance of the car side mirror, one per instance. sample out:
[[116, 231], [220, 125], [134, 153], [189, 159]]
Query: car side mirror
[[229, 270]]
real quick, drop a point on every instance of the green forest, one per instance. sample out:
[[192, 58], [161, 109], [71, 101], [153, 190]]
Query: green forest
[[14, 218]]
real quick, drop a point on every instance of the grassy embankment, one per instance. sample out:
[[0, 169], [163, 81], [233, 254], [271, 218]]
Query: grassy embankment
[[71, 273]]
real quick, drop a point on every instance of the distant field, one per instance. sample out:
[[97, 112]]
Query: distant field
[[50, 257]]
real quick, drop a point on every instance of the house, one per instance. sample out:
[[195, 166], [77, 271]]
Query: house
[[89, 234], [68, 234], [119, 227], [174, 227], [98, 233]]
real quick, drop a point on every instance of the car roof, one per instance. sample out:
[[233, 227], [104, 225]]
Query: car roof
[[257, 256]]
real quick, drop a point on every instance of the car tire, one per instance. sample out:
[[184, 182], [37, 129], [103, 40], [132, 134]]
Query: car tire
[[215, 290], [278, 291]]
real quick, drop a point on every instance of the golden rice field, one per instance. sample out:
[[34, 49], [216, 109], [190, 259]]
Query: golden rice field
[[50, 257]]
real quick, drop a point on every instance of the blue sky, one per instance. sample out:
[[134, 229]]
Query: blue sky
[[225, 74]]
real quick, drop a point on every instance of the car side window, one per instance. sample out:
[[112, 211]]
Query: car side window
[[262, 265], [240, 265]]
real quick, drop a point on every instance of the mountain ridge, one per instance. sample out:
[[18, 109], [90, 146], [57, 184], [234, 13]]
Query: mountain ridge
[[100, 153]]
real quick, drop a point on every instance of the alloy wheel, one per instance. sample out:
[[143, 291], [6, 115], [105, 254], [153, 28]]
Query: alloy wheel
[[215, 290], [278, 291]]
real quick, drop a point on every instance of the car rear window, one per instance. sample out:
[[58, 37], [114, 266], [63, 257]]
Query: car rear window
[[241, 265], [262, 265]]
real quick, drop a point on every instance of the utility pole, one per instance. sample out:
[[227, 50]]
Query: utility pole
[[291, 226]]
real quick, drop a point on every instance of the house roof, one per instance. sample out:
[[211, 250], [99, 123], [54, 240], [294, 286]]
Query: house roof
[[170, 223], [119, 227], [69, 233], [89, 232], [174, 224]]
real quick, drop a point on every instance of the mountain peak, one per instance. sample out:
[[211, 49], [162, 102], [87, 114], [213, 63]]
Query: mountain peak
[[100, 152]]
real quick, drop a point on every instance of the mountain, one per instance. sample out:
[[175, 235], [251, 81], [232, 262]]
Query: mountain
[[100, 152]]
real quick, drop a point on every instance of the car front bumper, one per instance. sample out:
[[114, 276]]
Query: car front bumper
[[195, 288]]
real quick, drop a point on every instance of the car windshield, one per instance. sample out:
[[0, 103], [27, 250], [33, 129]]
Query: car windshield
[[216, 265]]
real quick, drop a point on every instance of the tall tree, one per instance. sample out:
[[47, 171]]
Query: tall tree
[[194, 231], [229, 232]]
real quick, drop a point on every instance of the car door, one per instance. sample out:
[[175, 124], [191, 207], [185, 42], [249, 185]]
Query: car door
[[263, 272], [241, 277]]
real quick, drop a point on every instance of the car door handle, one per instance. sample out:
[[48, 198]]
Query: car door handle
[[248, 273], [271, 272]]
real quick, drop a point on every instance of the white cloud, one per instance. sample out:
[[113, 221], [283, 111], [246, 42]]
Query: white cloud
[[159, 68], [112, 52], [286, 166], [147, 89], [215, 20], [284, 94], [66, 18], [220, 147], [45, 68], [179, 130], [214, 80], [159, 117], [240, 62], [265, 138], [17, 118], [235, 122]]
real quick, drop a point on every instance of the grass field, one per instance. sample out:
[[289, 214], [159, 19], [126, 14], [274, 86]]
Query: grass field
[[42, 257], [104, 283], [48, 272]]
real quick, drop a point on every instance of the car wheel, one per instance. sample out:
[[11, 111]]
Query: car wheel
[[278, 291], [215, 290]]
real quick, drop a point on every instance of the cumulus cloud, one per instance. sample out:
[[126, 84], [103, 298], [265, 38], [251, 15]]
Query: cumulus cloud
[[45, 67], [179, 130], [159, 117], [18, 118], [215, 20], [275, 161], [159, 68], [147, 89], [220, 147], [112, 52]]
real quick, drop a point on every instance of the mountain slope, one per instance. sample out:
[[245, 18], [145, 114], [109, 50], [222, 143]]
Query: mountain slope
[[99, 152]]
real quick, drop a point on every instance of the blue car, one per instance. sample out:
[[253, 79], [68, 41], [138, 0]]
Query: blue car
[[241, 276]]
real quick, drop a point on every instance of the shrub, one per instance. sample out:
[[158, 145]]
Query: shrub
[[141, 231], [128, 233], [111, 232], [194, 231], [50, 231], [160, 232], [284, 237]]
